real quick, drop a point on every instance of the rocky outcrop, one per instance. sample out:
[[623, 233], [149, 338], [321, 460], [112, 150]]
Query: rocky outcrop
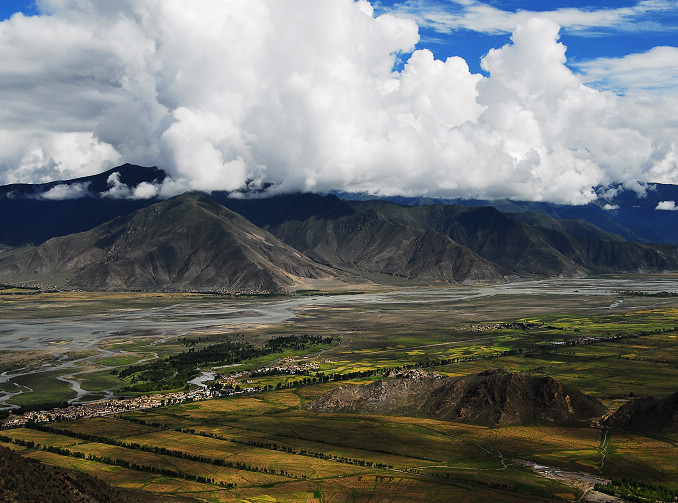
[[492, 398]]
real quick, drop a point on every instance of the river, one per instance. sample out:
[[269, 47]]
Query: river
[[66, 334]]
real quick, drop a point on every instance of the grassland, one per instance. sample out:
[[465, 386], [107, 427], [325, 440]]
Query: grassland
[[267, 447]]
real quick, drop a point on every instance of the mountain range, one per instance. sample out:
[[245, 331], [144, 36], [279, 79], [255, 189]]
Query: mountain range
[[95, 233]]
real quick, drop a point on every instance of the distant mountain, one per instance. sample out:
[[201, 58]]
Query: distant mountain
[[64, 207], [572, 227], [188, 242], [376, 240], [369, 242], [649, 215], [129, 175], [31, 214], [360, 234], [492, 398], [647, 415]]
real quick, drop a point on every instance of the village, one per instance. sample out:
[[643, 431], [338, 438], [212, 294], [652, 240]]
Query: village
[[222, 386], [109, 406]]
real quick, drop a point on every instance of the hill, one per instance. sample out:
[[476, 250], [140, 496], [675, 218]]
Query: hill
[[492, 398], [576, 228], [369, 242], [647, 415], [641, 213], [185, 243], [24, 480]]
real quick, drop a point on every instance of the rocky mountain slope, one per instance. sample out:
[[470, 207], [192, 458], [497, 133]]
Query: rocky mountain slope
[[320, 226], [492, 398], [188, 242]]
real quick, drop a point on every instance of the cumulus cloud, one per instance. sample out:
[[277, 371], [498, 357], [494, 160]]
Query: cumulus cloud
[[119, 190], [302, 94], [667, 206]]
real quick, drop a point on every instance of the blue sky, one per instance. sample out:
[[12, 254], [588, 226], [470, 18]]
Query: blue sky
[[9, 7], [643, 26], [301, 94]]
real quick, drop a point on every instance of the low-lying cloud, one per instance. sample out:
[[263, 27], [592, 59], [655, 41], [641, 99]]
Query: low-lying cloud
[[302, 94], [667, 206]]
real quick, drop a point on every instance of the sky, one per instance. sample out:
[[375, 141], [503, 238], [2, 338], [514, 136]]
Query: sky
[[489, 99]]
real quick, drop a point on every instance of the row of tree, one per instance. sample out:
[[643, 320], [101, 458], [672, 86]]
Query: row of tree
[[125, 463], [163, 451], [638, 491], [267, 445], [174, 371]]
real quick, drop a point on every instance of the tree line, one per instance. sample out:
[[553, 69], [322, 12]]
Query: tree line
[[638, 491], [174, 371], [163, 451], [268, 445], [124, 463]]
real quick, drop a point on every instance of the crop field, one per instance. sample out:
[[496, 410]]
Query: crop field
[[266, 446], [335, 454]]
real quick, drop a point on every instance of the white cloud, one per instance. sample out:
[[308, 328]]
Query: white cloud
[[117, 189], [145, 190], [66, 191], [654, 71], [473, 15], [667, 205], [302, 94]]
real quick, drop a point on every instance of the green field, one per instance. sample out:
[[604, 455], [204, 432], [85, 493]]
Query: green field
[[265, 446]]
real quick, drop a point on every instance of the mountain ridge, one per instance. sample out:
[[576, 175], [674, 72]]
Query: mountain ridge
[[187, 242], [367, 241]]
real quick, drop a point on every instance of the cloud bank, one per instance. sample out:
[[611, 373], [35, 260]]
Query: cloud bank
[[303, 94]]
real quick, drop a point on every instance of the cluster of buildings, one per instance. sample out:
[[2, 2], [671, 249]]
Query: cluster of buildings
[[412, 374], [287, 366], [108, 406], [226, 385]]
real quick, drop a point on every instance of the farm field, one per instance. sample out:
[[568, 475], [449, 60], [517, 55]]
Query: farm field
[[598, 335]]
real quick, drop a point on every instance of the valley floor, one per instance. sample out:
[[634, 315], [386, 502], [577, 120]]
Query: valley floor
[[613, 338]]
